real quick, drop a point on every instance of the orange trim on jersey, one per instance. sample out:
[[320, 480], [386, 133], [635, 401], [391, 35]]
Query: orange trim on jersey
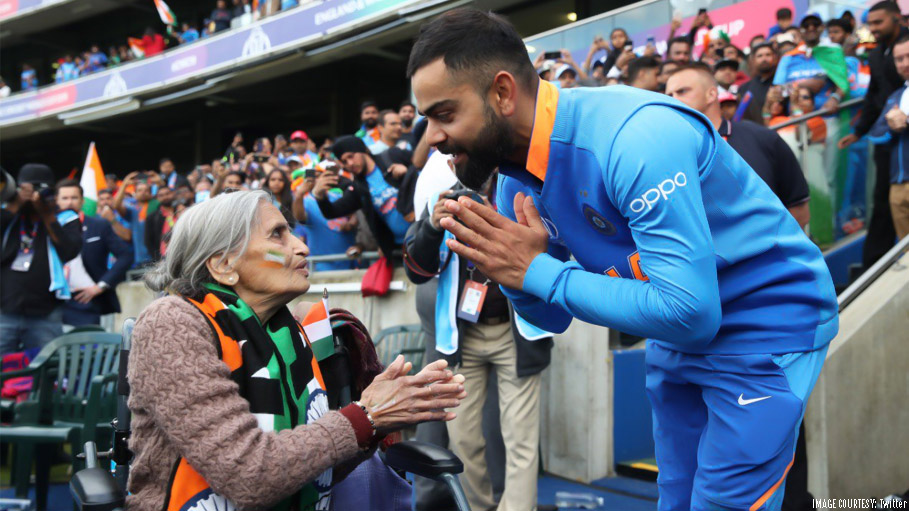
[[543, 121], [769, 493], [186, 484], [230, 348]]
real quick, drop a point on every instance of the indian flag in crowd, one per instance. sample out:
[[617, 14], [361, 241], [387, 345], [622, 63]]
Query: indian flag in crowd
[[317, 327], [92, 180], [136, 46], [167, 15]]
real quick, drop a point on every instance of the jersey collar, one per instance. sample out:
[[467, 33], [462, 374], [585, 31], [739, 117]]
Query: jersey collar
[[543, 122], [725, 129]]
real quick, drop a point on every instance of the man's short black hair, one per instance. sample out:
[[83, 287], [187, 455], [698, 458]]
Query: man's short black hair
[[677, 40], [886, 6], [784, 14], [238, 173], [669, 63], [407, 102], [763, 45], [70, 183], [840, 22], [366, 104], [639, 64], [107, 191], [382, 115], [162, 160], [474, 43]]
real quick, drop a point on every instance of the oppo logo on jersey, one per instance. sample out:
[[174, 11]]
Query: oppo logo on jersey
[[658, 193]]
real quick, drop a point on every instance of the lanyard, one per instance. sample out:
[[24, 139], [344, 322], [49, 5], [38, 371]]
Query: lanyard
[[470, 269], [27, 239]]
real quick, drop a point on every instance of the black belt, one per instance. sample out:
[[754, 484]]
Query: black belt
[[496, 320]]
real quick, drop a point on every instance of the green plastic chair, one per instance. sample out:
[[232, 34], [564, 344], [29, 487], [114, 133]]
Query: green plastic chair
[[73, 400], [86, 328], [407, 340]]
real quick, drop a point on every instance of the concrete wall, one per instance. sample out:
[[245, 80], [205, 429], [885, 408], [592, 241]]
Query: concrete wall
[[577, 388], [857, 423]]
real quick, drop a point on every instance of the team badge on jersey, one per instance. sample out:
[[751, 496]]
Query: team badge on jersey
[[598, 221]]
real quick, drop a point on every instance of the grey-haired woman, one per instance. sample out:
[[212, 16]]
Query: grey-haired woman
[[228, 400]]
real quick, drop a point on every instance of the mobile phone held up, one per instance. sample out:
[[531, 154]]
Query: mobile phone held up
[[552, 55]]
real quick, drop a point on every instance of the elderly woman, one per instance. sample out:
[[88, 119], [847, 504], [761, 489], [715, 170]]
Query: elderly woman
[[229, 408]]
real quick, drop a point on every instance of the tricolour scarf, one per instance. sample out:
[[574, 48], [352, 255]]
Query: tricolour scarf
[[277, 373]]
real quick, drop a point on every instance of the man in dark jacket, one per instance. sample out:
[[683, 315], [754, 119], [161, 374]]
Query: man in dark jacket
[[371, 190], [884, 21], [36, 243], [92, 281], [476, 330]]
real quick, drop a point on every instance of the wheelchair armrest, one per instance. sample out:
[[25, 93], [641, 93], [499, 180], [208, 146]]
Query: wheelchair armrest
[[423, 459], [94, 488]]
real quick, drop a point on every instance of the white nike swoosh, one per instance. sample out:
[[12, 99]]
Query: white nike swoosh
[[743, 401]]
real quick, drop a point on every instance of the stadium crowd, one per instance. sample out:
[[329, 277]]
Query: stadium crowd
[[72, 65], [379, 189]]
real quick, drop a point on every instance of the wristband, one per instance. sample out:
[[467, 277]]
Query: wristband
[[368, 416]]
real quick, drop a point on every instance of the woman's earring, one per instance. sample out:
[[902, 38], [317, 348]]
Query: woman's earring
[[232, 279]]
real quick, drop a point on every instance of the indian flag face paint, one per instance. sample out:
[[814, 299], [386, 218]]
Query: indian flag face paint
[[275, 259]]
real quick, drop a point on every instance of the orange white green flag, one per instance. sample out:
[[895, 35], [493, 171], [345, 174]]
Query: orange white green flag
[[92, 181], [166, 14], [317, 326]]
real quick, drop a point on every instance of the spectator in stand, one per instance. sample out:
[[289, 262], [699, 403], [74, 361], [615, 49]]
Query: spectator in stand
[[113, 57], [68, 70], [36, 244], [278, 184], [702, 20], [229, 180], [299, 141], [838, 30], [642, 73], [617, 41], [28, 78], [324, 236], [408, 113], [783, 22], [390, 130], [763, 61], [666, 69], [97, 60], [220, 17], [106, 210], [567, 77], [885, 22], [803, 69], [92, 281], [795, 33], [280, 145], [168, 173], [152, 43], [369, 191], [137, 210], [188, 33], [785, 43], [801, 102], [725, 72], [890, 129], [289, 4], [369, 117], [679, 50], [159, 223], [125, 54], [756, 40], [729, 103], [4, 88]]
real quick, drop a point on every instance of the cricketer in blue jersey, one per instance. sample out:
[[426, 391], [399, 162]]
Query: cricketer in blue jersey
[[673, 236]]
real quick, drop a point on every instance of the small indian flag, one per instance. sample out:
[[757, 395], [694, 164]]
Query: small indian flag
[[317, 327], [167, 15], [136, 46], [92, 180]]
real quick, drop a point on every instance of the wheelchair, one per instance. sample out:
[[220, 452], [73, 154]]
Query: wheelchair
[[95, 488]]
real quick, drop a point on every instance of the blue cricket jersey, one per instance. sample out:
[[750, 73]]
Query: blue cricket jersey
[[674, 236]]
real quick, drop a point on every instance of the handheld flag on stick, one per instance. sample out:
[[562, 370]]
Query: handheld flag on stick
[[92, 181], [167, 15], [317, 327]]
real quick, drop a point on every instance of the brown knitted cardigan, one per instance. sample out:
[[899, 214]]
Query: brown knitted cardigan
[[185, 404]]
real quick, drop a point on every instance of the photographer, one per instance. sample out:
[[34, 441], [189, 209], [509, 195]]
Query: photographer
[[476, 330], [36, 243]]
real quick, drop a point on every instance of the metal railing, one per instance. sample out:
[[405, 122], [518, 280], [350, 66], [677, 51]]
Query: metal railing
[[877, 269], [817, 113]]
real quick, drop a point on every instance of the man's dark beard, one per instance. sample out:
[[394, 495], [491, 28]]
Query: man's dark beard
[[407, 122], [494, 143], [370, 123]]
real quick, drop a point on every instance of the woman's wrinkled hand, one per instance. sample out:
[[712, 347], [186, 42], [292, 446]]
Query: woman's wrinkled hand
[[395, 400]]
